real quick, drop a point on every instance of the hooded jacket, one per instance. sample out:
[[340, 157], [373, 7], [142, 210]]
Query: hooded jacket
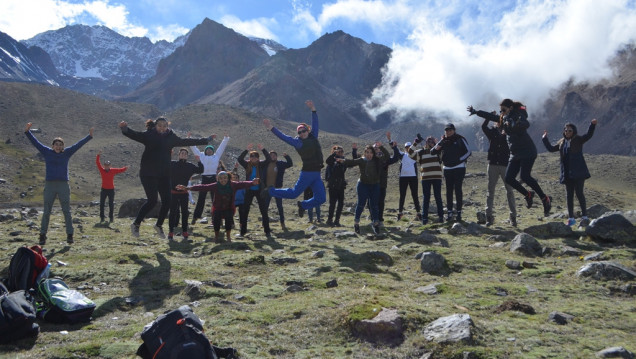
[[573, 166], [516, 125]]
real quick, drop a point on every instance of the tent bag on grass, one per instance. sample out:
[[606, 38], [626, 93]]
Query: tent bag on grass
[[63, 305], [25, 267], [17, 317]]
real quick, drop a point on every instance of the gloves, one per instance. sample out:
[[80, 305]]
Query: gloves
[[471, 110], [418, 139]]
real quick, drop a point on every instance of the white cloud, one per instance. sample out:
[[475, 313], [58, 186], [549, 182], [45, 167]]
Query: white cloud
[[533, 49], [259, 27]]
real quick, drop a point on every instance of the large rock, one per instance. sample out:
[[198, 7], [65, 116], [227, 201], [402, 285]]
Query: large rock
[[606, 270], [130, 208], [550, 230], [450, 329], [597, 210], [615, 352], [385, 328], [610, 227], [526, 244], [433, 263]]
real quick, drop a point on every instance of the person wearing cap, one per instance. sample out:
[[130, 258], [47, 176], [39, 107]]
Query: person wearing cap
[[431, 175], [408, 179], [255, 168], [222, 201], [498, 155], [107, 174], [574, 170], [56, 184], [275, 172], [154, 172], [455, 152], [180, 173], [210, 159], [308, 147]]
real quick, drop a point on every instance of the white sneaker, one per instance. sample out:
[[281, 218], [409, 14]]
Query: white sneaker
[[134, 230], [159, 231]]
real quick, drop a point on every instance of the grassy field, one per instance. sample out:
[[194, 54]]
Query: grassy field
[[134, 280]]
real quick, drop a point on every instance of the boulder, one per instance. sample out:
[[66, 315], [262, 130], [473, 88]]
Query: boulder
[[384, 328], [610, 227], [550, 230], [606, 270], [560, 318], [597, 210], [526, 244], [450, 329], [433, 263], [615, 352]]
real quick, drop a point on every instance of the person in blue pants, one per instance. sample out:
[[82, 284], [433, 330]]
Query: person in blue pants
[[308, 147]]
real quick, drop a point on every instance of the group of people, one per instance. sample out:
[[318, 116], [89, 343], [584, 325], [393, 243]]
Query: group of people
[[511, 152]]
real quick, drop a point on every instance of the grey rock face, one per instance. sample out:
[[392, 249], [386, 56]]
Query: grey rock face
[[453, 328]]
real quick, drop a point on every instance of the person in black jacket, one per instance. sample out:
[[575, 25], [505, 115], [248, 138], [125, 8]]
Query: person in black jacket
[[574, 170], [274, 174], [498, 154], [254, 168], [336, 183], [154, 173], [455, 153], [180, 173]]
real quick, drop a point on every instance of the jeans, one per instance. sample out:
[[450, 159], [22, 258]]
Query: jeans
[[306, 179], [62, 190], [572, 187], [437, 192], [367, 193], [454, 179]]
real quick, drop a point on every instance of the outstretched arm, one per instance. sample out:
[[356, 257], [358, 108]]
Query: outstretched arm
[[547, 144]]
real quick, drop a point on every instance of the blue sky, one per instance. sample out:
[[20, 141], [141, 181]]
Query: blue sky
[[447, 54]]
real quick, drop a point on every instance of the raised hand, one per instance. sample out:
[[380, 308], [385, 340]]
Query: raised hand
[[28, 127], [594, 122], [123, 124], [268, 123], [471, 110], [260, 146], [545, 134], [91, 130], [310, 104], [250, 146]]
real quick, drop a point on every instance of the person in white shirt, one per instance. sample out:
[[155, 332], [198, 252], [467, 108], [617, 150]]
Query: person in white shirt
[[210, 159]]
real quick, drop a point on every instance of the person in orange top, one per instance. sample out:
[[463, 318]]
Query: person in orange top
[[108, 186]]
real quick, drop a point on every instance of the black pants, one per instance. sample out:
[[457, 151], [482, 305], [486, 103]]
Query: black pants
[[411, 182], [262, 206], [179, 205], [220, 214], [572, 187], [336, 197], [525, 167], [454, 179], [110, 194], [437, 193], [152, 186], [198, 210], [381, 200]]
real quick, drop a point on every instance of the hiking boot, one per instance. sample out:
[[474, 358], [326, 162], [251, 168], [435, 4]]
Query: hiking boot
[[301, 210], [376, 228], [547, 205], [159, 231], [69, 238], [419, 217], [329, 223], [356, 228], [425, 221], [170, 236], [529, 197], [42, 239], [571, 222], [459, 216], [399, 216], [449, 216], [134, 230], [490, 220], [513, 220]]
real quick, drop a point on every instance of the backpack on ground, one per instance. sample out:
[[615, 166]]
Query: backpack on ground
[[17, 316], [60, 304], [25, 267], [178, 334]]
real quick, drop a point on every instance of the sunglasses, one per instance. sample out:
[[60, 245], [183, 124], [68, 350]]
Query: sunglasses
[[448, 129], [255, 156], [567, 130], [302, 131]]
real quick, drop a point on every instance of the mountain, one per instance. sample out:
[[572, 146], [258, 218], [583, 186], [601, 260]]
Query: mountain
[[212, 57], [98, 61], [338, 71], [19, 63], [270, 46]]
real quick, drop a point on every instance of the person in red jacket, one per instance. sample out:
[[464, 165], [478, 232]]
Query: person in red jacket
[[108, 186]]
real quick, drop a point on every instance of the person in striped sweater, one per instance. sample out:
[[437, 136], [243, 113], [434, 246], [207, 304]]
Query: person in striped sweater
[[430, 174]]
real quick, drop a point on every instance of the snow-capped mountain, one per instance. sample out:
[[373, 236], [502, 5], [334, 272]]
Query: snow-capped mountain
[[19, 63], [270, 46], [114, 62]]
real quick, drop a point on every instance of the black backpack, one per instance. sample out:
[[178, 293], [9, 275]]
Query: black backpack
[[17, 317], [24, 268], [178, 334]]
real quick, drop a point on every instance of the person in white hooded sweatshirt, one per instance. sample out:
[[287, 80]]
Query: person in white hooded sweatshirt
[[210, 159]]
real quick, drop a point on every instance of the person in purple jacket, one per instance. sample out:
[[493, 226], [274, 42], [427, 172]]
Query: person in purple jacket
[[56, 159], [308, 147]]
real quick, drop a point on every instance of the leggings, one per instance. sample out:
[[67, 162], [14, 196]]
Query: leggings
[[524, 166], [454, 179], [336, 196], [154, 185], [411, 182], [198, 210], [110, 194], [179, 203], [573, 186]]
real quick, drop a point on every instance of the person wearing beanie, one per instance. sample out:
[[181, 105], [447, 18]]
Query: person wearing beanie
[[308, 147], [454, 152], [107, 174], [408, 179], [210, 159], [430, 174], [56, 159], [574, 170]]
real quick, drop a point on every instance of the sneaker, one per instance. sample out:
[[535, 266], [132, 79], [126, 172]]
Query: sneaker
[[490, 220], [185, 235], [571, 222], [42, 239], [399, 216], [376, 228], [584, 222], [170, 236], [449, 216], [459, 216], [337, 224], [424, 221], [301, 210], [547, 205], [513, 220], [329, 223], [69, 238], [111, 220], [194, 221], [134, 230], [529, 198], [159, 231], [419, 217], [356, 228]]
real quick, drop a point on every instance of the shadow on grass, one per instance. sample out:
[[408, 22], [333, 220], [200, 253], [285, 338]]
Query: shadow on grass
[[364, 262], [54, 253], [150, 287]]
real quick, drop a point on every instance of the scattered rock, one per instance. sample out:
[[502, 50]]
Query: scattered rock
[[597, 210], [515, 306], [610, 227], [318, 254], [284, 260], [295, 288], [550, 230], [526, 244], [450, 329], [594, 257], [570, 251], [429, 289], [385, 328], [606, 270], [433, 263], [615, 352], [194, 288], [528, 265], [221, 285], [512, 264], [560, 318], [332, 283]]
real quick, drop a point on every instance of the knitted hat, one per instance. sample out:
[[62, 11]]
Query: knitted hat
[[210, 147]]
